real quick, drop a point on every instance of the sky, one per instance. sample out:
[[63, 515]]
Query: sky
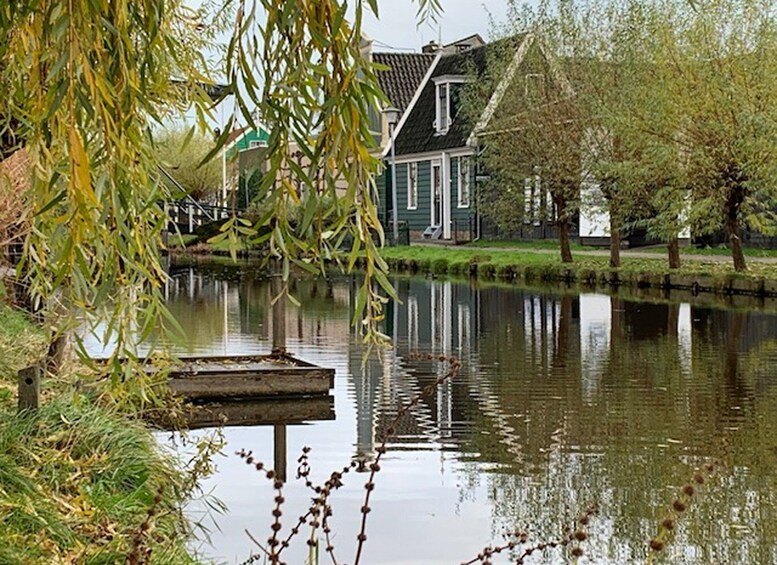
[[397, 26]]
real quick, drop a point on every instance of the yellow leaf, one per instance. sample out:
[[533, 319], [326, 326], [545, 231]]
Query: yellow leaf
[[80, 180]]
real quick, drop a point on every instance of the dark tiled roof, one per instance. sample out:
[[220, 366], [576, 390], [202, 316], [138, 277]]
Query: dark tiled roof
[[418, 135], [403, 79]]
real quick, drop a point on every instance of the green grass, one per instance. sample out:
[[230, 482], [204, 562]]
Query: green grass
[[76, 482], [178, 240], [524, 244], [528, 264], [76, 477], [725, 251], [552, 244]]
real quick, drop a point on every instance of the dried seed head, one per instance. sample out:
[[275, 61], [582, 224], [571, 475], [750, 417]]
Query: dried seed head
[[656, 545], [577, 551], [362, 537], [668, 524], [689, 490], [698, 478], [679, 506], [580, 535]]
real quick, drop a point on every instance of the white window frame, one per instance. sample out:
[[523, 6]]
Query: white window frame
[[443, 123], [412, 186], [464, 185], [536, 79]]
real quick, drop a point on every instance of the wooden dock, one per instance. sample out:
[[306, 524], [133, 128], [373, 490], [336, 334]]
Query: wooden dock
[[248, 377], [265, 412]]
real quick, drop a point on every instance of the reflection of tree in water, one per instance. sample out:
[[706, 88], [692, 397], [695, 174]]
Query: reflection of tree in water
[[212, 302], [631, 447]]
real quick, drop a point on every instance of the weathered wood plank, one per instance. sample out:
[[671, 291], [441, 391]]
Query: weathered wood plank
[[235, 384], [258, 412], [29, 388]]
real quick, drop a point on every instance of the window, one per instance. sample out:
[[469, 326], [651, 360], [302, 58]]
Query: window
[[443, 117], [464, 182], [412, 186], [534, 86], [446, 101]]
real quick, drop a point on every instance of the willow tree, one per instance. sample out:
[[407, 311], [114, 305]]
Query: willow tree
[[87, 81], [181, 153], [689, 102], [724, 86], [531, 143]]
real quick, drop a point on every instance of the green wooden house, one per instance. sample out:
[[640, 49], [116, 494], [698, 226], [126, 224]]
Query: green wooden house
[[436, 147]]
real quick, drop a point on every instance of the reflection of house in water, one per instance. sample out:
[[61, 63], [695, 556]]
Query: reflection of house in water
[[608, 323], [225, 308], [433, 318]]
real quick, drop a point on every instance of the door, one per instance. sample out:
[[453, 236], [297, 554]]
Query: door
[[436, 194]]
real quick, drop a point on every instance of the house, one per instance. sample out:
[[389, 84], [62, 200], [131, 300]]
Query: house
[[241, 156], [435, 146]]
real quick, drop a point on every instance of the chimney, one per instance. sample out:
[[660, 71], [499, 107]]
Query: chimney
[[431, 47]]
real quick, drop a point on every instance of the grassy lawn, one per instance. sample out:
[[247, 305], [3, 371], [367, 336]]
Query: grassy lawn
[[457, 260], [522, 244], [77, 477], [552, 244]]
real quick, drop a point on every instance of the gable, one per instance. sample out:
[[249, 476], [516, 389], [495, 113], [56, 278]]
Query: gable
[[419, 134]]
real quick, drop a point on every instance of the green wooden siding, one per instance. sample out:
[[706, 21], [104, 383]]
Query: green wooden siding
[[244, 141], [419, 218]]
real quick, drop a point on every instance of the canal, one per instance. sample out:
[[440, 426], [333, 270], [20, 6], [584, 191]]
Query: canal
[[564, 401]]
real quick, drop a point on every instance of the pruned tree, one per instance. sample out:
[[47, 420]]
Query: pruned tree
[[181, 152], [532, 143]]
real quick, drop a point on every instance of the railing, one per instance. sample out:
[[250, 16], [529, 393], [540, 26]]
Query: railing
[[464, 231]]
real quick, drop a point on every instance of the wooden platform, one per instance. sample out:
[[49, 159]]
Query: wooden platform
[[273, 411], [206, 379], [267, 376]]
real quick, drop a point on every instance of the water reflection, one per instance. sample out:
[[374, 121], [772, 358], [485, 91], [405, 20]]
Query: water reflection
[[563, 400]]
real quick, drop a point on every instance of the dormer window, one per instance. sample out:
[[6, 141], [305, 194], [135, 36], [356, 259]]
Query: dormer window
[[446, 97], [443, 107]]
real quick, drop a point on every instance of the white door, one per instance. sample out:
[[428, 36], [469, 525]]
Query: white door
[[436, 194]]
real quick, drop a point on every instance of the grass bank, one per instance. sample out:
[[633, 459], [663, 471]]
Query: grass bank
[[523, 264], [80, 482]]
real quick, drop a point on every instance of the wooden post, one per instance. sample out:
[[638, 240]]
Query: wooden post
[[279, 451], [278, 316], [29, 388]]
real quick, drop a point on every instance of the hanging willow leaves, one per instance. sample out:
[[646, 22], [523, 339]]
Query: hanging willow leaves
[[85, 83]]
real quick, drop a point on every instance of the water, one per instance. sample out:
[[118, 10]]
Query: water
[[563, 401]]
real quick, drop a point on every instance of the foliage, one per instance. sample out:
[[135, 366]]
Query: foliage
[[182, 156], [674, 108], [87, 83], [77, 480]]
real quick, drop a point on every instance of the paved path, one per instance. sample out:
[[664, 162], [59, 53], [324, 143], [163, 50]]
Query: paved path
[[643, 253]]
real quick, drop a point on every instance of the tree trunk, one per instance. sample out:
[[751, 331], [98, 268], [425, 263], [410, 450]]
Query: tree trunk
[[735, 241], [562, 223], [615, 243], [563, 240], [674, 252]]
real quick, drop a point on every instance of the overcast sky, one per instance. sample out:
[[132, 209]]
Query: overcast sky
[[398, 28]]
